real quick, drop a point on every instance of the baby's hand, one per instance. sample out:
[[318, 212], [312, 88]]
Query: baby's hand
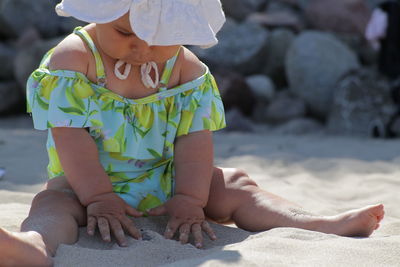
[[186, 217], [110, 211]]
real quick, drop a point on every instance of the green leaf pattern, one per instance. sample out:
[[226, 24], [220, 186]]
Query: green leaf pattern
[[134, 138]]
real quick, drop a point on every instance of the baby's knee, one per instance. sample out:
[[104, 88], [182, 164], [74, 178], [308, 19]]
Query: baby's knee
[[57, 198], [239, 178]]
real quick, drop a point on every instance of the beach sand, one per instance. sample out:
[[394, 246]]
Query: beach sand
[[324, 174]]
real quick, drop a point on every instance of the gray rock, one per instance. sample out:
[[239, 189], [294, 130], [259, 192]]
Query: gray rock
[[262, 87], [239, 9], [314, 64], [236, 122], [285, 107], [38, 13], [279, 42], [30, 36], [373, 3], [235, 92], [395, 127], [349, 16], [362, 105], [28, 59], [299, 126], [241, 47], [67, 25], [277, 19], [10, 95], [7, 55]]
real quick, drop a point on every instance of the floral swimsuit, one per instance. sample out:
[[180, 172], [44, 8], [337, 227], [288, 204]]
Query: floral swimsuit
[[134, 137]]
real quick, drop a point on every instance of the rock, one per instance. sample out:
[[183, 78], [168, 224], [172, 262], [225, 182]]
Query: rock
[[374, 3], [7, 55], [278, 15], [28, 59], [349, 16], [285, 107], [38, 13], [67, 25], [239, 9], [299, 126], [314, 64], [235, 92], [302, 4], [10, 96], [277, 19], [241, 47], [279, 42], [28, 37], [362, 105], [357, 43], [236, 122], [395, 127], [262, 87]]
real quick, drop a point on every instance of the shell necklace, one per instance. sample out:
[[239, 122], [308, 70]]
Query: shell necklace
[[145, 70]]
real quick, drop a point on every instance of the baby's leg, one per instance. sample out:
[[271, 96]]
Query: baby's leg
[[53, 219], [235, 197]]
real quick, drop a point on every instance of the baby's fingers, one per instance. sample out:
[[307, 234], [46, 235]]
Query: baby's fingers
[[184, 231], [130, 228], [172, 226], [133, 212], [118, 232], [198, 237], [104, 228], [207, 228], [91, 225]]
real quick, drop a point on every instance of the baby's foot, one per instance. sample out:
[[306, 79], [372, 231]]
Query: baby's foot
[[359, 222], [23, 249]]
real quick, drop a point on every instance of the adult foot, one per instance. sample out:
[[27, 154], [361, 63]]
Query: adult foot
[[360, 222], [23, 249]]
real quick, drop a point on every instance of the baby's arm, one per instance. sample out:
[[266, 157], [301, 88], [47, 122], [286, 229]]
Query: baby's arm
[[194, 166], [193, 163], [79, 158]]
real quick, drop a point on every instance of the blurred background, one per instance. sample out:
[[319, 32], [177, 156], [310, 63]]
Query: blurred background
[[287, 66]]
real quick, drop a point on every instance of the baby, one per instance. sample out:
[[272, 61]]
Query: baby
[[125, 141]]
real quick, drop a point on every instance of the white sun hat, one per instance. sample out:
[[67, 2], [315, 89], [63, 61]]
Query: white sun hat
[[158, 22]]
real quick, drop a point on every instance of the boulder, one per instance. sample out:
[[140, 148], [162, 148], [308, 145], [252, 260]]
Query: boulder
[[278, 15], [362, 105], [236, 122], [7, 55], [29, 57], [284, 107], [349, 16], [262, 87], [10, 96], [314, 64], [241, 47], [395, 127], [38, 13], [279, 42], [239, 9], [235, 92]]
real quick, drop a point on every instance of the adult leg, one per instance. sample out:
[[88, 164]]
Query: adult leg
[[53, 219], [235, 197]]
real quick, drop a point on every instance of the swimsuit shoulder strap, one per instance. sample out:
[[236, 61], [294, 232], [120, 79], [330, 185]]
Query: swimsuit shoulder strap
[[169, 66], [100, 72]]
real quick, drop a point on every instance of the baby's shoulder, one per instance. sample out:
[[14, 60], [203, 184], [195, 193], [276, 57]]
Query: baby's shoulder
[[190, 66], [70, 54]]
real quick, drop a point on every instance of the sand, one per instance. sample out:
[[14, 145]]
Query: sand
[[324, 174]]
